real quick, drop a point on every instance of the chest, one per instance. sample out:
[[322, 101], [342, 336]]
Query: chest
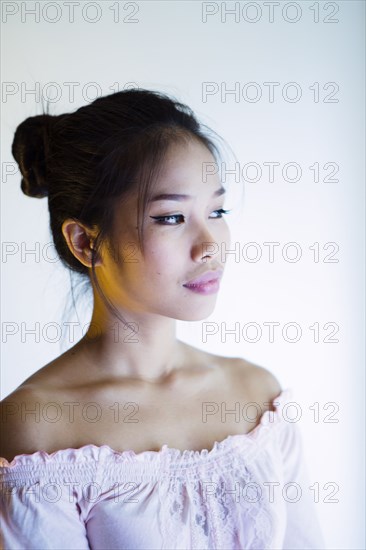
[[193, 418]]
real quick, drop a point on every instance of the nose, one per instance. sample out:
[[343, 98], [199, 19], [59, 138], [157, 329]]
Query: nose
[[205, 246]]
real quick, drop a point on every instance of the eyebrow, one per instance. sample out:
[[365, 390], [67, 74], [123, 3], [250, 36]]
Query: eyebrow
[[181, 197]]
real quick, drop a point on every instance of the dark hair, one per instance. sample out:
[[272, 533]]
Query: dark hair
[[87, 161]]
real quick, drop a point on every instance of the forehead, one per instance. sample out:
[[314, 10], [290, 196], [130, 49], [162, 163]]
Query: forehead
[[187, 164]]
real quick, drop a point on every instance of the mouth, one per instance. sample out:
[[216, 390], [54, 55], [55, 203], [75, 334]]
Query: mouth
[[211, 287], [209, 283]]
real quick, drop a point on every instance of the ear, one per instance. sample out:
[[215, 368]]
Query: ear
[[79, 241]]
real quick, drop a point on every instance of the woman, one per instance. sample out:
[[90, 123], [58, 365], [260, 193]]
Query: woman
[[133, 442]]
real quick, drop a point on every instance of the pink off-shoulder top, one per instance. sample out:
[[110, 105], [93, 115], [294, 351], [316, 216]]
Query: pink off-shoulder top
[[250, 491]]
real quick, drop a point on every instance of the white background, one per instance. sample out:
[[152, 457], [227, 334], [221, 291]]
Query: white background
[[170, 48]]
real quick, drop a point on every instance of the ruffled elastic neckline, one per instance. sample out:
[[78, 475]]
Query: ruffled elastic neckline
[[94, 452]]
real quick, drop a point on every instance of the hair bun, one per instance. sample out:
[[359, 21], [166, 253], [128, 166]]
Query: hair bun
[[29, 149]]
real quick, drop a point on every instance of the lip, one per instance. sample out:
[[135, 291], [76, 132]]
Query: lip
[[210, 287], [208, 276]]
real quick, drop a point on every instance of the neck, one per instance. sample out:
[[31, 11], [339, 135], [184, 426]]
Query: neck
[[146, 348]]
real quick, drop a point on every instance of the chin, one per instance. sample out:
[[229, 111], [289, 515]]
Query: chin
[[197, 313]]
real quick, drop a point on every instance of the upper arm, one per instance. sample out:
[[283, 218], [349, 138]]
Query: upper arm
[[22, 427], [30, 515], [303, 529]]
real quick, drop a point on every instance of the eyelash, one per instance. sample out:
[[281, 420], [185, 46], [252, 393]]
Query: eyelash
[[160, 219]]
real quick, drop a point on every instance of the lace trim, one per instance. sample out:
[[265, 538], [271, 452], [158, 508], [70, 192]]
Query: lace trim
[[222, 511]]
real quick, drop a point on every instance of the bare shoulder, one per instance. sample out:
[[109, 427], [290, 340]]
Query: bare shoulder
[[250, 380], [21, 423], [257, 382], [23, 428]]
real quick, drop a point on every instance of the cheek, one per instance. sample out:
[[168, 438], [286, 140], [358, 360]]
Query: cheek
[[162, 264], [162, 261]]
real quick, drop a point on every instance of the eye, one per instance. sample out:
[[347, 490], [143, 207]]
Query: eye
[[162, 220], [222, 211]]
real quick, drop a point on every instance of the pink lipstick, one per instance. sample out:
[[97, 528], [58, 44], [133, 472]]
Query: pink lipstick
[[208, 283]]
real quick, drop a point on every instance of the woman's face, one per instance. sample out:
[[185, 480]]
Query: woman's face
[[191, 240]]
